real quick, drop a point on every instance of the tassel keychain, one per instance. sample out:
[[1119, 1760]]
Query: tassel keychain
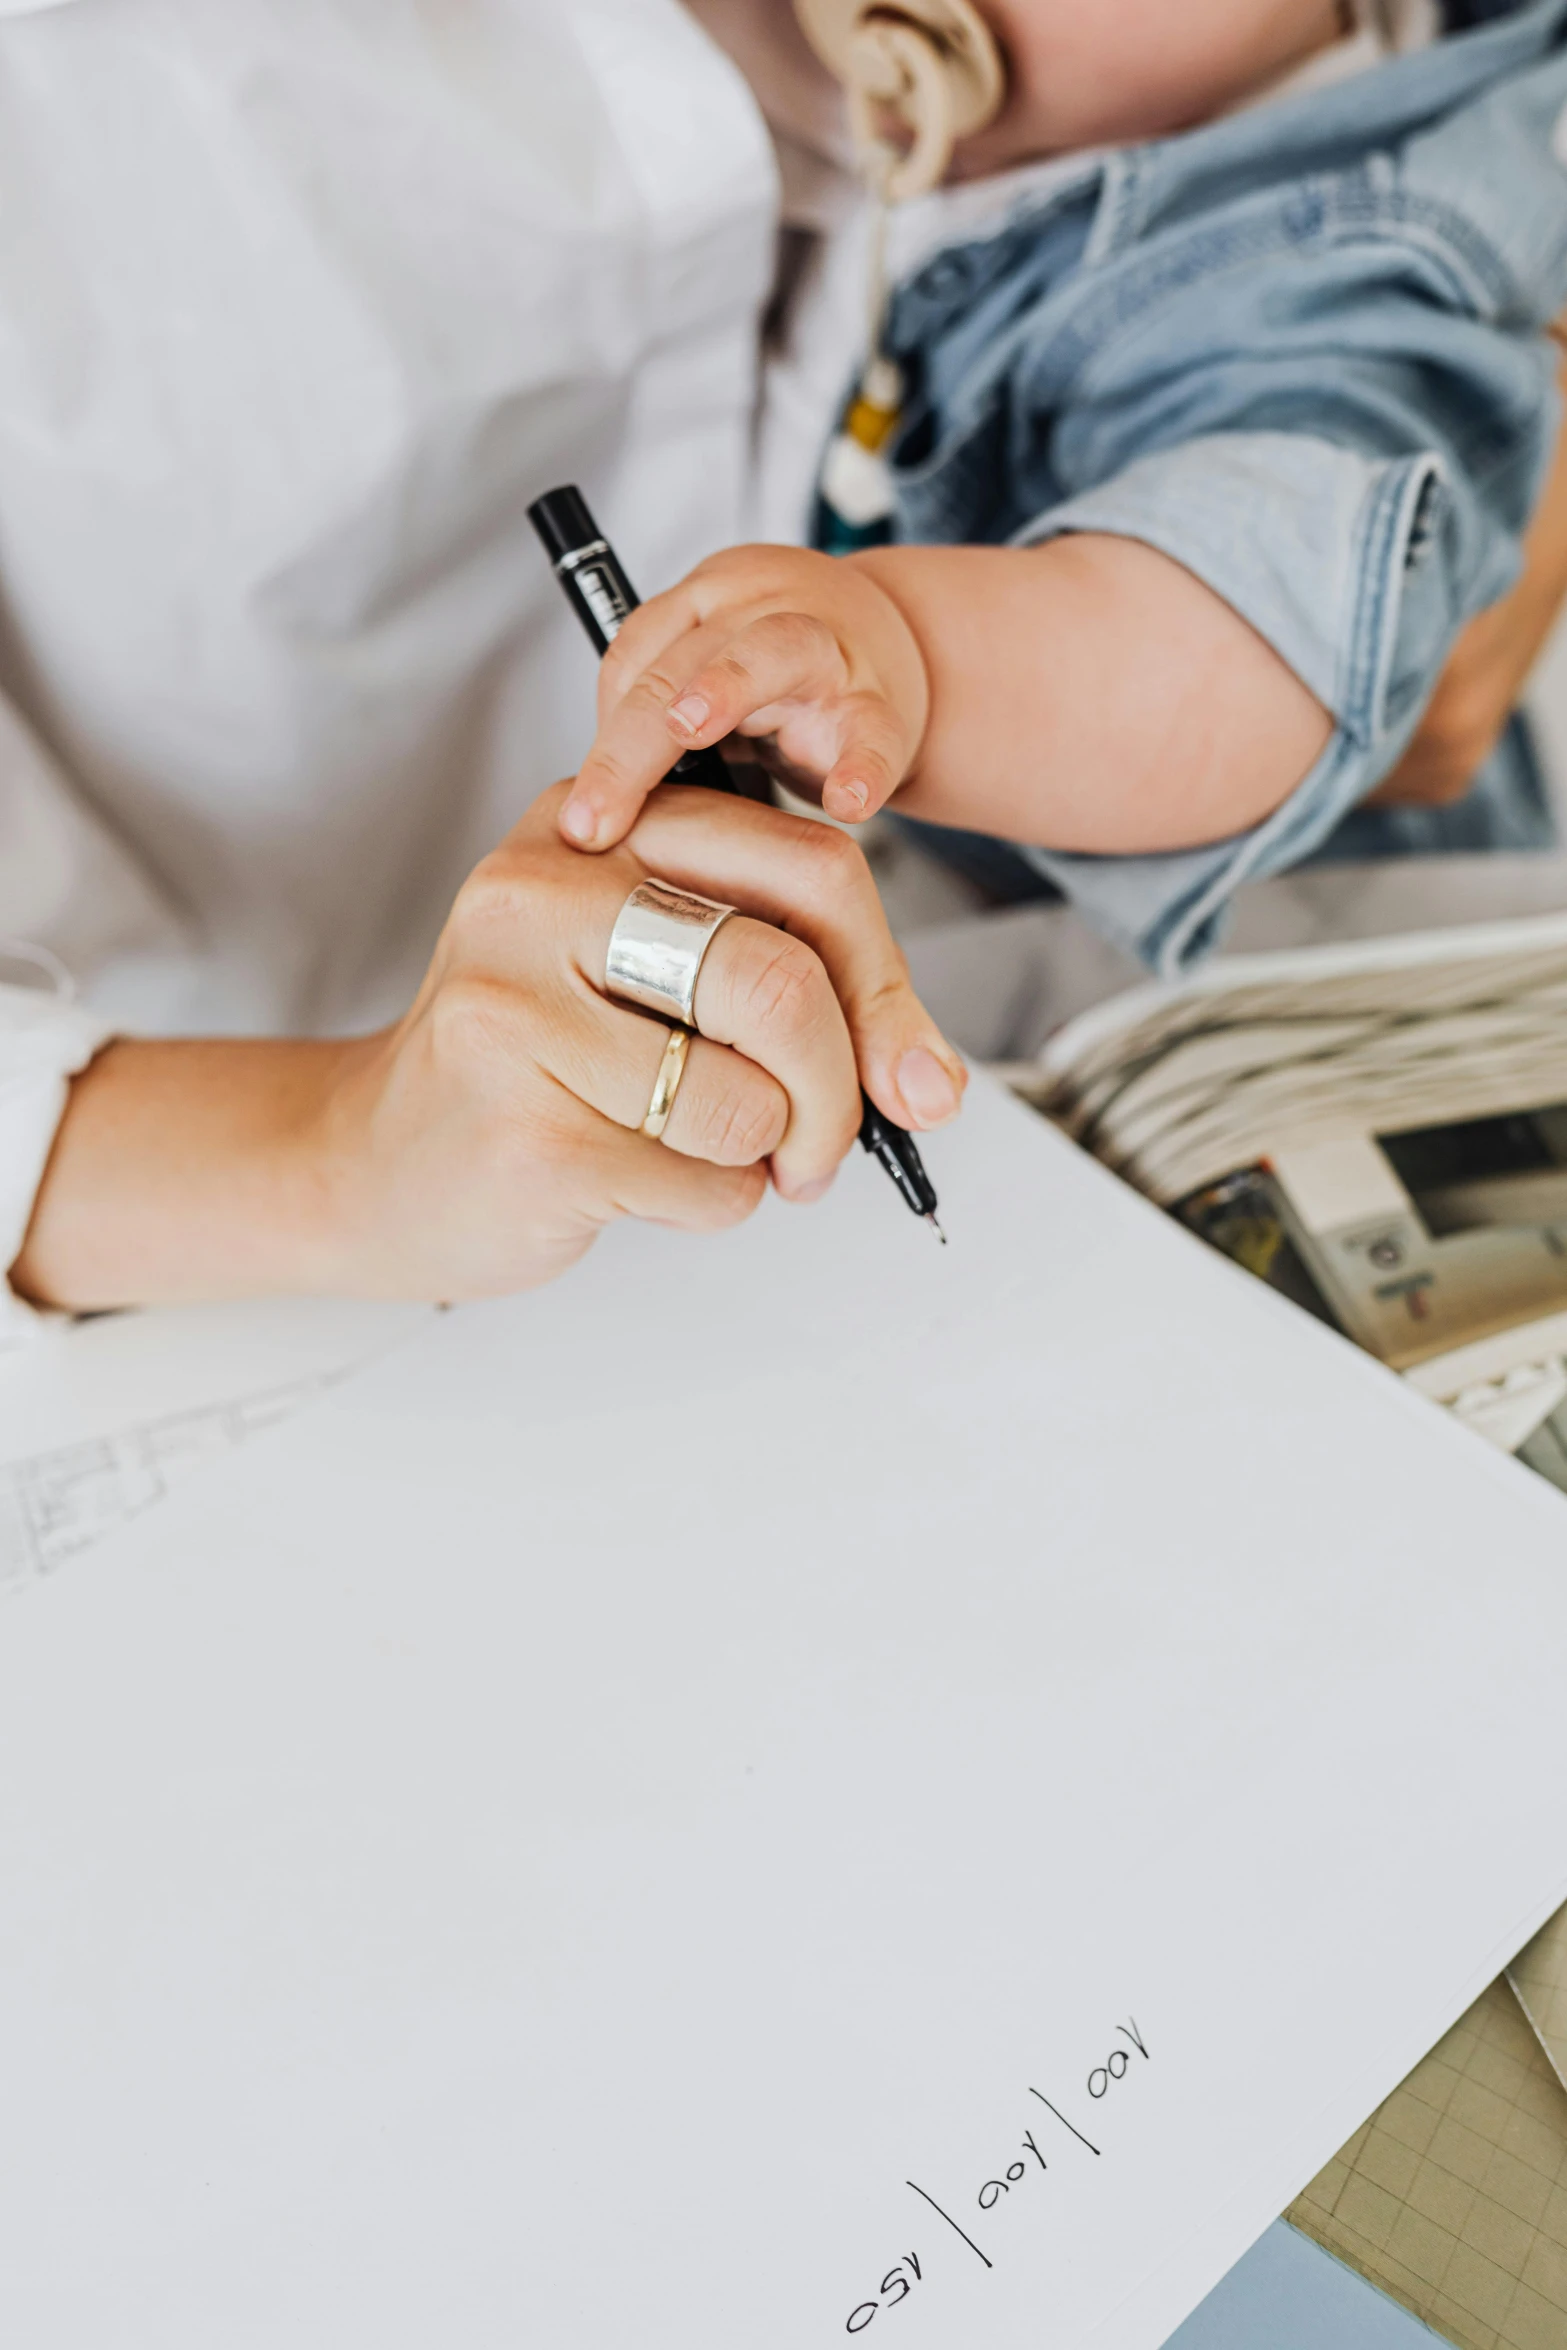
[[920, 75], [855, 501]]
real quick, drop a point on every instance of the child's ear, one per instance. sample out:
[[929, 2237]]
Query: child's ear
[[920, 74]]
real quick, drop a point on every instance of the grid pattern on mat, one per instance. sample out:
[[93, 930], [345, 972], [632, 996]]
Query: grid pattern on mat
[[1453, 2196]]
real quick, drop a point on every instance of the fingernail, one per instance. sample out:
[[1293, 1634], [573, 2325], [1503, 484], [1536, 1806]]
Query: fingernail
[[690, 714], [579, 822], [805, 1193], [928, 1092], [853, 797]]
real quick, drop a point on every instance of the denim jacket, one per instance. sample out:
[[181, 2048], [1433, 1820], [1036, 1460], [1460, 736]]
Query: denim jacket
[[1302, 350]]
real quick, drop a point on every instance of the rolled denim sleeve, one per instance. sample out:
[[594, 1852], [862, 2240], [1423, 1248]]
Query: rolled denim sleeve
[[1337, 560], [1304, 353]]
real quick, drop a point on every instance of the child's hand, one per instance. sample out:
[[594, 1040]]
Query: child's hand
[[763, 641]]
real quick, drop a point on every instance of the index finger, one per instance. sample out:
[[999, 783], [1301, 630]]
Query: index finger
[[810, 879], [685, 683], [634, 748]]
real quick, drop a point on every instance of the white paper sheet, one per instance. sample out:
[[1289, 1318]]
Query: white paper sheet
[[102, 1420], [488, 1869]]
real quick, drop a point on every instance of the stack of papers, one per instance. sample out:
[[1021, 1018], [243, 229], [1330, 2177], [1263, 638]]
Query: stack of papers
[[1379, 1130]]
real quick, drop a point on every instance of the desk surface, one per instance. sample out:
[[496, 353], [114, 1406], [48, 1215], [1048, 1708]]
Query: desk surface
[[1289, 2295]]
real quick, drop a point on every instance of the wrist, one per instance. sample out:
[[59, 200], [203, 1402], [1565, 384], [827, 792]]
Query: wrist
[[902, 661], [184, 1170], [299, 1161]]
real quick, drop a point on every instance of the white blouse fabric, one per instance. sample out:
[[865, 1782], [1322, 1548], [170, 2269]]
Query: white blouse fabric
[[301, 302]]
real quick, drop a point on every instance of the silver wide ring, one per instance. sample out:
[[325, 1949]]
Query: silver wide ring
[[656, 947]]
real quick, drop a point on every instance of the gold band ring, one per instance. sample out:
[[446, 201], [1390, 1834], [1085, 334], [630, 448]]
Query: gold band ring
[[667, 1083]]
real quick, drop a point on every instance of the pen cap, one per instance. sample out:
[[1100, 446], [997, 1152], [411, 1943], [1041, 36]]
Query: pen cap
[[563, 521]]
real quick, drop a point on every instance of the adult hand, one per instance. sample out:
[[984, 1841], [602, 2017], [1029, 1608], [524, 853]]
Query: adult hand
[[480, 1144]]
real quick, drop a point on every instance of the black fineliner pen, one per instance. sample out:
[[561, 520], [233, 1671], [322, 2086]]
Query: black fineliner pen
[[603, 599]]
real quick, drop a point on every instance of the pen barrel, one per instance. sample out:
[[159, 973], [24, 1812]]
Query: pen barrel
[[600, 593], [713, 771], [896, 1150], [596, 588]]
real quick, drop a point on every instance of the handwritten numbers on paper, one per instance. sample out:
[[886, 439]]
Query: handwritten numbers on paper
[[1115, 2064], [991, 2192], [895, 2287], [1025, 2164]]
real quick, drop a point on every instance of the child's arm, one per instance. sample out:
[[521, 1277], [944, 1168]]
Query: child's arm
[[1089, 694]]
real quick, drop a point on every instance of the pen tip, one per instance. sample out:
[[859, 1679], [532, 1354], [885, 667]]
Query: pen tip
[[936, 1228]]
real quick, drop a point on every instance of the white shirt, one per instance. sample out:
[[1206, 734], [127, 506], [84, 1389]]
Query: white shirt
[[301, 302]]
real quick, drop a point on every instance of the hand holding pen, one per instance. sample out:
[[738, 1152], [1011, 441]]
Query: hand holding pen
[[604, 600]]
